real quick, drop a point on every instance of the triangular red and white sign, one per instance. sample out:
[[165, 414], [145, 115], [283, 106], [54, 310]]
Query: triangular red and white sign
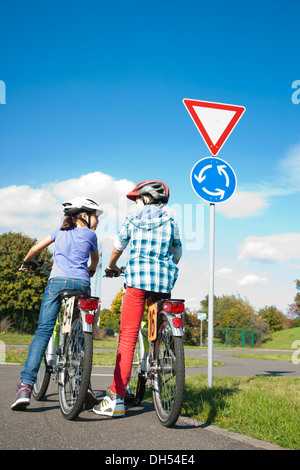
[[214, 121]]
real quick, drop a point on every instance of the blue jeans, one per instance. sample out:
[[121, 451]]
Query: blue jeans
[[48, 314]]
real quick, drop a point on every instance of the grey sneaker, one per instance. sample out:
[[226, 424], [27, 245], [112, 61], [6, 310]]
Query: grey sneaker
[[22, 399], [111, 405]]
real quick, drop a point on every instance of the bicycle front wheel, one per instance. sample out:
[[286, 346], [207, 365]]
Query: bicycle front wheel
[[136, 387], [75, 374], [42, 380], [168, 380]]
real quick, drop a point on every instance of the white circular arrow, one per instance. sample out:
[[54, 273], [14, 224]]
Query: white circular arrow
[[222, 170], [201, 178], [219, 192]]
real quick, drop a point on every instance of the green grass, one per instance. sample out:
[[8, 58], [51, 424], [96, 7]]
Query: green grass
[[194, 362], [15, 338], [109, 343], [283, 339], [25, 340], [104, 359], [266, 408], [266, 357], [15, 355]]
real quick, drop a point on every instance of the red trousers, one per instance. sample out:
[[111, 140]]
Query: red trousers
[[131, 316]]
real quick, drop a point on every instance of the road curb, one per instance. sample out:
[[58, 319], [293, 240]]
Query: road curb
[[263, 445]]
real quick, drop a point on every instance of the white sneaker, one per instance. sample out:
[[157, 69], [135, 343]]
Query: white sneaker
[[111, 405]]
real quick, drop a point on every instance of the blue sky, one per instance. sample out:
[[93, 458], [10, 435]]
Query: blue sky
[[97, 87]]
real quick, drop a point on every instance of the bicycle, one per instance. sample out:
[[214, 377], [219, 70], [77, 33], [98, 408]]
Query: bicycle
[[69, 353], [159, 357]]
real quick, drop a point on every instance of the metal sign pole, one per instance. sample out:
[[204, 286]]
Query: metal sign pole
[[211, 120], [210, 350]]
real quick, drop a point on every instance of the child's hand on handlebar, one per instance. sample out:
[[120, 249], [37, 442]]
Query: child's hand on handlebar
[[30, 265], [112, 271]]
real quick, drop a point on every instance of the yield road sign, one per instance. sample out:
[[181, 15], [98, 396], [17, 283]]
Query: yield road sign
[[214, 121], [213, 180]]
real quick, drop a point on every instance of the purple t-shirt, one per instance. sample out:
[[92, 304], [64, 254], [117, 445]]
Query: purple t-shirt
[[72, 251]]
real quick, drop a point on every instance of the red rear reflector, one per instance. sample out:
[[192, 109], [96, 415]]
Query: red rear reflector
[[174, 307], [88, 304], [177, 322], [89, 318]]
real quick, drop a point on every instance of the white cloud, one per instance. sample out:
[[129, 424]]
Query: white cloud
[[27, 210], [99, 186], [223, 271], [243, 204], [271, 249], [252, 280], [36, 212], [23, 200]]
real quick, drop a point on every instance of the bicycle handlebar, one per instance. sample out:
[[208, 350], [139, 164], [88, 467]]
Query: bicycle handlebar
[[113, 273], [39, 263], [34, 265]]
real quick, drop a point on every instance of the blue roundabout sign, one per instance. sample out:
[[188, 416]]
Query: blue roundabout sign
[[213, 180]]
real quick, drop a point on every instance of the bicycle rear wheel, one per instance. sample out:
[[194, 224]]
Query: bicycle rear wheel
[[168, 381], [75, 374]]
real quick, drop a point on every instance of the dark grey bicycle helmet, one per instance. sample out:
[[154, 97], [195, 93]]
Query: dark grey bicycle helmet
[[157, 190]]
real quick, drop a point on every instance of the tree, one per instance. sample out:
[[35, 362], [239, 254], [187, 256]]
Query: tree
[[273, 317], [234, 312], [297, 298], [20, 293], [230, 311], [294, 309], [192, 328], [293, 313], [106, 320]]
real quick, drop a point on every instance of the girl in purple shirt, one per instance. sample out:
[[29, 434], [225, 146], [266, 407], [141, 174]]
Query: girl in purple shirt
[[75, 241]]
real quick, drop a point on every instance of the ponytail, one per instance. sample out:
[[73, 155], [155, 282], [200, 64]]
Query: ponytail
[[69, 223]]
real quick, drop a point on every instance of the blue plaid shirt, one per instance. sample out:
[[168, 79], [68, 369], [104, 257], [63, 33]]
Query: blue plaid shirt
[[153, 237]]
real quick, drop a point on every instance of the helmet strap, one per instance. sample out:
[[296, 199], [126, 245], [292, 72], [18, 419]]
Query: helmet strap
[[87, 222], [148, 200]]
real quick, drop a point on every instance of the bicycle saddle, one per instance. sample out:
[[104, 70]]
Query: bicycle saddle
[[67, 293]]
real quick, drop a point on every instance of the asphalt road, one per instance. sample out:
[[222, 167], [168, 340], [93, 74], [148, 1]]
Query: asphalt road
[[43, 427]]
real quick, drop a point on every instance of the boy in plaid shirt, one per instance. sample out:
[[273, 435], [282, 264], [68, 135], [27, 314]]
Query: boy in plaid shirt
[[154, 251]]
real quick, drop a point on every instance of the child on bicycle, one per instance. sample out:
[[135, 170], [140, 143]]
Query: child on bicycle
[[154, 251], [75, 241]]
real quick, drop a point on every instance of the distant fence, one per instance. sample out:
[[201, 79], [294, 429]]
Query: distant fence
[[236, 336]]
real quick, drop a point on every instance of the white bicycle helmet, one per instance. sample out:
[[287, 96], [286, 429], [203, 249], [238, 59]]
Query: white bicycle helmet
[[82, 204]]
